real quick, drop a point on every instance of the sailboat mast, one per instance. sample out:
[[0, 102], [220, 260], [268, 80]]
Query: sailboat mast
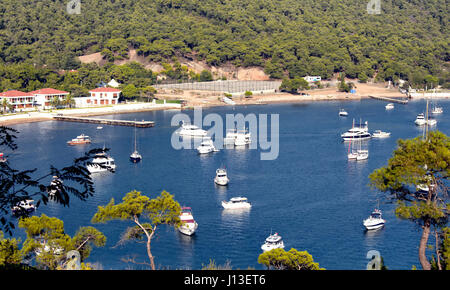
[[135, 136]]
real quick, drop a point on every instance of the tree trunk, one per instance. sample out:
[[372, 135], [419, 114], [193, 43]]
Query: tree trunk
[[149, 239], [149, 253], [423, 246]]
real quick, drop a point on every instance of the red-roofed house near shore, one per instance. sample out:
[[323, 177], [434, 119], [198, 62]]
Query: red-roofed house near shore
[[99, 97], [43, 97], [18, 100]]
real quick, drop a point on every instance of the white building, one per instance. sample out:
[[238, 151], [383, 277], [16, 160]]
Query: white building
[[18, 100], [99, 97], [43, 97], [113, 83]]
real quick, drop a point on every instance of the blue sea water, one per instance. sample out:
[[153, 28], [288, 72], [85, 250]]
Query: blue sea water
[[311, 194]]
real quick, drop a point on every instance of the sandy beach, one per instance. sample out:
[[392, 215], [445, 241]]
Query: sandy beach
[[207, 99]]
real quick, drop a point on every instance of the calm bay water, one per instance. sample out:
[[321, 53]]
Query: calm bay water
[[311, 194]]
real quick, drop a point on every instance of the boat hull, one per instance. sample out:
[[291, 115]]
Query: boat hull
[[236, 206], [374, 226], [221, 181], [188, 229], [135, 159], [351, 137], [78, 143], [97, 169], [267, 248]]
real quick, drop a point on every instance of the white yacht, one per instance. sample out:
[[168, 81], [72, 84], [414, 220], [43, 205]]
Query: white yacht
[[191, 130], [230, 137], [101, 163], [243, 138], [343, 113], [362, 154], [424, 187], [236, 203], [431, 122], [55, 186], [207, 146], [189, 225], [380, 134], [221, 177], [358, 132], [273, 242], [420, 119], [374, 221], [24, 206], [437, 110], [389, 106]]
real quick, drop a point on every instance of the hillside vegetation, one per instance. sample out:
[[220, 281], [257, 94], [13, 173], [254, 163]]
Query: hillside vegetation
[[408, 40]]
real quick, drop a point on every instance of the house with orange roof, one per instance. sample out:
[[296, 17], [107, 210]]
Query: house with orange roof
[[20, 101], [43, 97]]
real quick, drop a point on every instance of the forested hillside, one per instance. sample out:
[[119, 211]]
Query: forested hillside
[[408, 40]]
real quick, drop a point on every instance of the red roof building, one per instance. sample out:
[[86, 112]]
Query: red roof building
[[43, 97], [17, 99]]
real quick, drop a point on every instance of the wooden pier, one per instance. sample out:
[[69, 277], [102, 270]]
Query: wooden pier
[[391, 100], [139, 124]]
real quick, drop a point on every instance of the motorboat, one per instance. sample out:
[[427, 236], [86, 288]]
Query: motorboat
[[230, 137], [243, 138], [343, 113], [423, 186], [80, 140], [273, 242], [188, 224], [24, 206], [374, 221], [362, 154], [389, 106], [421, 120], [240, 140], [207, 146], [221, 177], [55, 185], [191, 130], [101, 163], [437, 110], [135, 156], [380, 134], [2, 158], [357, 132], [236, 203], [431, 122], [99, 127]]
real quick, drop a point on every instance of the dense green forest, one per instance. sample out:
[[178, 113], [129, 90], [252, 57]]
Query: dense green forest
[[409, 39]]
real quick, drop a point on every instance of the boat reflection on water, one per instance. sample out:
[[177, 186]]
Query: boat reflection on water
[[235, 217], [372, 238]]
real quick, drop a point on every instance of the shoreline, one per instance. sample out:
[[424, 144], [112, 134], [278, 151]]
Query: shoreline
[[281, 98]]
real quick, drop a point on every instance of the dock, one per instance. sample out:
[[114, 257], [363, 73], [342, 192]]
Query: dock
[[139, 124], [391, 100]]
